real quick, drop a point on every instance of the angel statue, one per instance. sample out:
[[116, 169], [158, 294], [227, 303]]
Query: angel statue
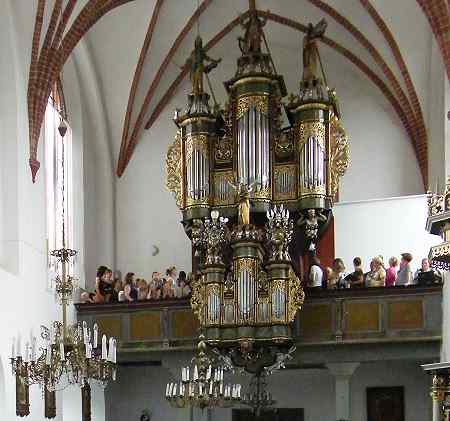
[[196, 65], [311, 223], [310, 52], [251, 42], [243, 192]]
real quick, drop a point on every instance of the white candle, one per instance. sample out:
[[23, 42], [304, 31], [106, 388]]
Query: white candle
[[195, 373], [27, 352], [84, 330], [114, 374], [104, 348], [62, 354], [221, 389], [167, 389], [188, 369], [183, 374], [95, 335], [111, 350], [48, 356], [210, 388], [19, 348], [33, 349], [115, 351]]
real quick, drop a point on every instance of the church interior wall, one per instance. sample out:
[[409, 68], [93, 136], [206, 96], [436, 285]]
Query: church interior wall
[[140, 388]]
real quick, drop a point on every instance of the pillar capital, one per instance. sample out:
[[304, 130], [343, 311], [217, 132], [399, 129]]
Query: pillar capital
[[342, 369]]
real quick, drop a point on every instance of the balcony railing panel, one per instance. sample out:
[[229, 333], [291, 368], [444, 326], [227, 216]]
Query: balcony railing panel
[[359, 316]]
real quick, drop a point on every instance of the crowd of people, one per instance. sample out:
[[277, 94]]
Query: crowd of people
[[173, 285], [132, 289], [395, 273]]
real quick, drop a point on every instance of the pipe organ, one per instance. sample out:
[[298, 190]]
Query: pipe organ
[[260, 172]]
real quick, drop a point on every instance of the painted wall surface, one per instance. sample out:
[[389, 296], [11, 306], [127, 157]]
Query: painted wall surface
[[29, 301], [141, 388], [385, 227]]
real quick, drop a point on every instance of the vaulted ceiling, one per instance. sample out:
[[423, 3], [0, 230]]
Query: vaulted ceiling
[[139, 48]]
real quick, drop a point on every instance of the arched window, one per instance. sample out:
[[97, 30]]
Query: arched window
[[54, 146]]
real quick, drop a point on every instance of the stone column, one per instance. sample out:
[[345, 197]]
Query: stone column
[[342, 373]]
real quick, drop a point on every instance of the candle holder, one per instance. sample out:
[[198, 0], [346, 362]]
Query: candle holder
[[202, 385]]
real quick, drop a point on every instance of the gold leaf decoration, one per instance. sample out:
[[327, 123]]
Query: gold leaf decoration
[[197, 302], [174, 170], [296, 296], [260, 102], [309, 129], [340, 154]]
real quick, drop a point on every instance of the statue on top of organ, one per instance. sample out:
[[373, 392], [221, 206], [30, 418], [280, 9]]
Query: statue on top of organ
[[248, 144]]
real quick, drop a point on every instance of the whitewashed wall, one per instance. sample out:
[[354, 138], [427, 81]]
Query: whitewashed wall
[[386, 227], [28, 301], [141, 388]]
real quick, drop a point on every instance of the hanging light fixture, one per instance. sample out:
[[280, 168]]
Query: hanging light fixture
[[258, 398], [202, 384], [68, 354]]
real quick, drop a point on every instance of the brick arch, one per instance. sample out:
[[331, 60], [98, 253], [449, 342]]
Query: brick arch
[[413, 116], [438, 15], [129, 148], [420, 128], [47, 61]]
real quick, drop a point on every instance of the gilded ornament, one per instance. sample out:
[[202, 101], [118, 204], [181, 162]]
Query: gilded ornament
[[223, 152], [174, 170], [309, 129], [259, 102], [284, 146], [340, 155], [197, 298], [296, 296]]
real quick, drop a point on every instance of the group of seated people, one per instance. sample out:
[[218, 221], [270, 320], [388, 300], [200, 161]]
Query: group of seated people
[[132, 289], [379, 275]]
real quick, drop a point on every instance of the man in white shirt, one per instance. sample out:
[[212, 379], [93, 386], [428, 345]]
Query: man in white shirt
[[315, 274]]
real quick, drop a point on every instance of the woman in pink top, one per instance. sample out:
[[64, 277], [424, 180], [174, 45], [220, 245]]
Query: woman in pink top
[[391, 272]]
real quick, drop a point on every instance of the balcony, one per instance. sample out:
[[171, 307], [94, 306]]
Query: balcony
[[373, 320]]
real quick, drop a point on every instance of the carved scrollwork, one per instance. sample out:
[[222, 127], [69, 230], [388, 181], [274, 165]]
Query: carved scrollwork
[[296, 296], [174, 170], [197, 298], [340, 154], [307, 129], [260, 102]]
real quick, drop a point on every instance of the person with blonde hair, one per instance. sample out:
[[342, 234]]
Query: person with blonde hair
[[339, 272], [142, 288], [171, 276], [377, 276], [391, 272]]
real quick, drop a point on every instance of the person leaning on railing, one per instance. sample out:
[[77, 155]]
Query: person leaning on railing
[[405, 275]]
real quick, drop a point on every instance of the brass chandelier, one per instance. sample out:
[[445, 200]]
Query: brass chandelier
[[202, 384], [256, 193], [68, 354]]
